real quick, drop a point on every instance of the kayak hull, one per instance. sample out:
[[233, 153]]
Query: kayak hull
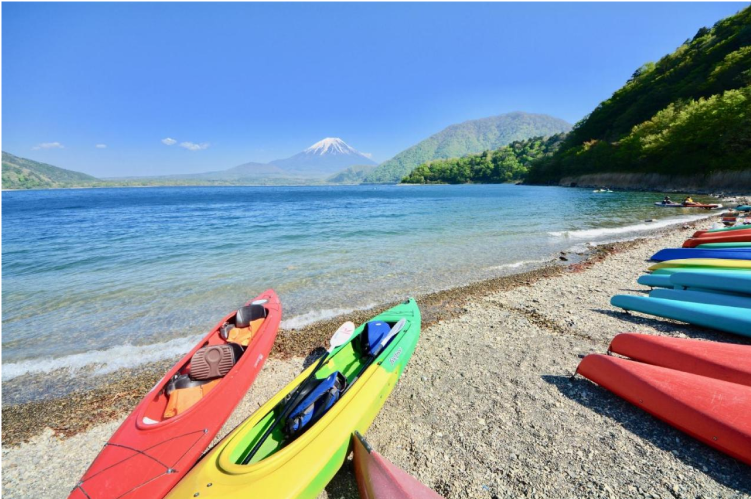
[[724, 245], [377, 478], [684, 253], [304, 467], [737, 237], [723, 361], [710, 410], [728, 319], [706, 263], [736, 282], [143, 460], [706, 296], [729, 231]]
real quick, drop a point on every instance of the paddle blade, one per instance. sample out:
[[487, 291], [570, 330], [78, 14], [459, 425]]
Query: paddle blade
[[377, 478], [394, 331], [342, 335]]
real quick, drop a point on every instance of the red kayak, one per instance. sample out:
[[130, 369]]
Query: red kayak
[[713, 411], [707, 233], [377, 478], [170, 428], [745, 237], [723, 361]]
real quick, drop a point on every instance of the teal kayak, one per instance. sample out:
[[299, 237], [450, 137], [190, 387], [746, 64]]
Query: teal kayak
[[724, 245], [699, 270], [727, 229], [655, 281], [729, 319], [737, 282], [703, 296]]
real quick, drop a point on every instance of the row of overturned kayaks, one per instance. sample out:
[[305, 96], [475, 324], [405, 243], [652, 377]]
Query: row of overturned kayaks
[[702, 388], [292, 446], [707, 282]]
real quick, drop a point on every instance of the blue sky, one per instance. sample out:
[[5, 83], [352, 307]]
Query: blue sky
[[232, 82]]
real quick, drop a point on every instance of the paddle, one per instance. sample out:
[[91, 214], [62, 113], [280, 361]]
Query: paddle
[[341, 336]]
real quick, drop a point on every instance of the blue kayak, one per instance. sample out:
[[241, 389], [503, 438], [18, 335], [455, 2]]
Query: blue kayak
[[730, 319], [683, 253], [744, 207], [703, 296], [737, 282]]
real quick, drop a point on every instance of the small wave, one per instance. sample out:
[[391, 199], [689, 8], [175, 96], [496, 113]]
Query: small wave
[[612, 231], [318, 315], [516, 265], [107, 361]]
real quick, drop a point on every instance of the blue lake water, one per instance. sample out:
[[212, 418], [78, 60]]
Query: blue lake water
[[100, 275]]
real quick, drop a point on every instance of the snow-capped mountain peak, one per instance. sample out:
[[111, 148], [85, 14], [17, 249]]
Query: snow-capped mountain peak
[[330, 145]]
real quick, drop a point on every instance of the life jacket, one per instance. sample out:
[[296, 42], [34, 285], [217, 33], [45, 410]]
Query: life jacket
[[248, 321], [243, 335], [180, 399], [315, 404]]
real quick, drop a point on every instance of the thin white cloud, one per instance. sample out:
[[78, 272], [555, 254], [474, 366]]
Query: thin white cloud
[[192, 146], [101, 146], [168, 141], [368, 155], [48, 145]]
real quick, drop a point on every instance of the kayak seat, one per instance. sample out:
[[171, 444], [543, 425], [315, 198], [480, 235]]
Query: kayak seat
[[214, 361], [183, 392], [248, 321], [319, 399], [372, 335]]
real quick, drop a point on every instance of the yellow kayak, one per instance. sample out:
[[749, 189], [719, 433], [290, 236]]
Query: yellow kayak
[[703, 263], [301, 465]]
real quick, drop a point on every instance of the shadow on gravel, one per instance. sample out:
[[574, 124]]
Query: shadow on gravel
[[344, 483], [668, 326], [718, 466]]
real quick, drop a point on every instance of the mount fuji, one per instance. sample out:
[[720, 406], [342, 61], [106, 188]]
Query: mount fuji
[[328, 156]]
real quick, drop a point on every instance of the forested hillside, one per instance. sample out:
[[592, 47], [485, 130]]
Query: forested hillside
[[470, 137], [689, 114], [21, 173], [507, 164]]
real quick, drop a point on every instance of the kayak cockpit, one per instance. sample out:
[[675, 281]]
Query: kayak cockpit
[[205, 367], [344, 369]]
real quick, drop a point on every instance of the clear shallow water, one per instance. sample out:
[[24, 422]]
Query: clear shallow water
[[101, 275]]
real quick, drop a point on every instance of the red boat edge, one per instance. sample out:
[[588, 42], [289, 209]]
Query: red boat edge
[[710, 410], [723, 361], [150, 452], [378, 478]]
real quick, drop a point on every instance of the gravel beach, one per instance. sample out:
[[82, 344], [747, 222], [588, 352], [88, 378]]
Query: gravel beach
[[486, 407]]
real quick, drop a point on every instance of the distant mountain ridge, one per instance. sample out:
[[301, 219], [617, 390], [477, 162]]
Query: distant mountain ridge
[[469, 137], [22, 173]]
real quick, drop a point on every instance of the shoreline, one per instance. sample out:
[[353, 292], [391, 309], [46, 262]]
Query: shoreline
[[487, 407], [108, 396]]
